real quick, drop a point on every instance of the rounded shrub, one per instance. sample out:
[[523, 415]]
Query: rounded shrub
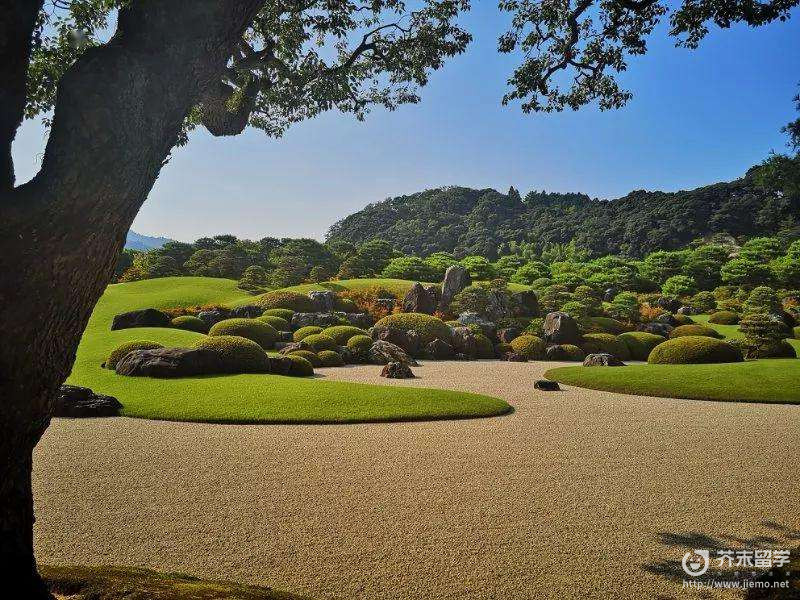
[[118, 353], [483, 346], [724, 317], [285, 299], [565, 352], [310, 356], [782, 349], [305, 331], [329, 358], [283, 313], [605, 343], [320, 341], [342, 333], [261, 333], [278, 323], [300, 366], [502, 349], [694, 330], [640, 343], [428, 327], [238, 354], [190, 323], [359, 345], [530, 346], [694, 349], [683, 319], [604, 325], [796, 331]]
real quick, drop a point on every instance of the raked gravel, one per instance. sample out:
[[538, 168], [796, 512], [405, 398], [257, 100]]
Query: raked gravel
[[576, 494]]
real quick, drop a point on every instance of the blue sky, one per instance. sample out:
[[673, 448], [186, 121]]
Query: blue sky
[[697, 117]]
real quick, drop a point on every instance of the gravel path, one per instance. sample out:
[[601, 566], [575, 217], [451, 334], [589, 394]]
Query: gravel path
[[577, 494]]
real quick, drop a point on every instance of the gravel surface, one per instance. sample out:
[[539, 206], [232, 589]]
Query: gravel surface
[[577, 494]]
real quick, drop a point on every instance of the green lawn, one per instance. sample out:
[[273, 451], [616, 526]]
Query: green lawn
[[772, 380], [242, 398]]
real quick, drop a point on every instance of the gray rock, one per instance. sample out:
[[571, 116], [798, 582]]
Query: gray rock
[[362, 320], [546, 385], [170, 362], [464, 341], [685, 310], [498, 306], [419, 300], [383, 352], [667, 318], [610, 294], [456, 279], [560, 328], [602, 359], [78, 402], [148, 317], [439, 350], [470, 318], [317, 318], [397, 370], [249, 311], [324, 301], [656, 327], [668, 303], [407, 340], [214, 316], [525, 304]]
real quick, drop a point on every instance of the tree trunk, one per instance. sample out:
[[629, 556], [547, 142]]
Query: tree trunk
[[118, 114]]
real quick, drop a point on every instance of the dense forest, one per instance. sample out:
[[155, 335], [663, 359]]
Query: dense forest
[[485, 222]]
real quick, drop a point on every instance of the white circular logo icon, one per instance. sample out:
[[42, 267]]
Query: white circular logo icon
[[695, 563]]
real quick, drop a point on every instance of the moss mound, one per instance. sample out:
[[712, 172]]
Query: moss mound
[[118, 353], [310, 356], [428, 327], [238, 354], [501, 349], [640, 343], [329, 358], [261, 333], [285, 299], [724, 317], [694, 330], [277, 323], [283, 313], [190, 323], [530, 346], [683, 319], [305, 331], [565, 352], [782, 349], [694, 349], [483, 346], [320, 341], [603, 325], [605, 343], [300, 366], [342, 333], [359, 345]]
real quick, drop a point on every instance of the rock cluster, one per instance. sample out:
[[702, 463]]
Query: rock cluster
[[77, 402]]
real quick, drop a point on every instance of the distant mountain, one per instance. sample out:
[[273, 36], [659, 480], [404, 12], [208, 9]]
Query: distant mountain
[[137, 241], [468, 221]]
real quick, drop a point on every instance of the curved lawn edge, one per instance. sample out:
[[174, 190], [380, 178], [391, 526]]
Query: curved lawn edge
[[772, 381]]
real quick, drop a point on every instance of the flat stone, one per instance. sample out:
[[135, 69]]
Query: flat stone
[[78, 402]]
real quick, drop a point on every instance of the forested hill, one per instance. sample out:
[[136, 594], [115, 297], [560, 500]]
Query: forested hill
[[467, 221]]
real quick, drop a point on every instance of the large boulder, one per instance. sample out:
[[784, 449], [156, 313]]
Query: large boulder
[[170, 362], [602, 359], [667, 318], [360, 320], [456, 279], [464, 341], [76, 402], [525, 303], [397, 370], [320, 319], [488, 328], [148, 317], [668, 303], [439, 350], [419, 300], [560, 328], [324, 301], [498, 305], [248, 311], [382, 353], [407, 340]]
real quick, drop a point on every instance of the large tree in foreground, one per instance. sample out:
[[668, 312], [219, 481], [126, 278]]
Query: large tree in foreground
[[116, 107]]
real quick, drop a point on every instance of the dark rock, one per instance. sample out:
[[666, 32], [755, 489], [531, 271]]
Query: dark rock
[[76, 402], [170, 362], [249, 311], [214, 316], [564, 352], [414, 342], [514, 357], [397, 370], [383, 353], [464, 341], [285, 336], [667, 318], [602, 359], [324, 301], [439, 350], [317, 318], [488, 328], [280, 365], [560, 328], [148, 317], [498, 305], [291, 347], [656, 327], [668, 303], [546, 385], [419, 300], [407, 340], [610, 294], [508, 334], [525, 304], [456, 279]]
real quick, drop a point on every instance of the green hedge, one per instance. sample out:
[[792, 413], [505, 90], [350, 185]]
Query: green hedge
[[300, 366], [694, 349], [329, 358], [320, 341], [285, 299], [238, 354], [530, 346], [428, 327], [694, 330], [310, 356], [483, 346], [278, 323], [283, 313], [603, 325], [605, 343], [640, 343], [190, 323], [359, 345], [342, 333], [724, 317], [306, 331], [118, 353], [261, 333]]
